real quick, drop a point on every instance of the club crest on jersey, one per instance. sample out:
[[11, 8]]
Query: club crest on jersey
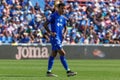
[[60, 20]]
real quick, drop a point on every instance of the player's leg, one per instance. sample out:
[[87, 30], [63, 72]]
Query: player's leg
[[64, 62], [50, 64], [51, 60], [63, 59]]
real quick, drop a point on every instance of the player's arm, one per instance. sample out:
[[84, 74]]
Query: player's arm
[[48, 30], [46, 27], [65, 28], [65, 31]]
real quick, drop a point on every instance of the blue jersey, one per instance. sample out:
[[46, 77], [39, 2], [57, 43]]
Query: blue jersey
[[58, 22]]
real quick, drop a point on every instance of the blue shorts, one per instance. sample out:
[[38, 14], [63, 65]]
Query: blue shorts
[[56, 43]]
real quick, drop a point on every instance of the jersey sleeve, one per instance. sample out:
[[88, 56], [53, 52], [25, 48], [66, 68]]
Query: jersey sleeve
[[51, 18]]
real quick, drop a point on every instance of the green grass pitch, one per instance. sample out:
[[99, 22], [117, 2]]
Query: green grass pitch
[[36, 70]]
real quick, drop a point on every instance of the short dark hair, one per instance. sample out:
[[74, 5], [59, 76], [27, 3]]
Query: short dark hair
[[61, 4]]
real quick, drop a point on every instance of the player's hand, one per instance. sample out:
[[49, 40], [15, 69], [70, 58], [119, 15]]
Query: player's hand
[[53, 34], [63, 36]]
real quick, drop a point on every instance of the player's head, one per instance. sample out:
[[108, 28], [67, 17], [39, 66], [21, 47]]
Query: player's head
[[61, 7]]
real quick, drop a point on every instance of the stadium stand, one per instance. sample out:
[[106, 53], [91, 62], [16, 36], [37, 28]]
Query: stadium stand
[[89, 21]]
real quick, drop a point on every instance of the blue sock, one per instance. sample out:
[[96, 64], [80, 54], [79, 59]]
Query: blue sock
[[64, 62], [50, 63]]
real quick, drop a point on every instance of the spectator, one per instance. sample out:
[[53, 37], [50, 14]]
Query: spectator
[[96, 22]]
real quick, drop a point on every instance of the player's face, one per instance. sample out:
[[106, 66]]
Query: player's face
[[61, 9]]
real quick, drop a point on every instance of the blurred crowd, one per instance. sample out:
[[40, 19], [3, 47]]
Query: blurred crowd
[[96, 22]]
